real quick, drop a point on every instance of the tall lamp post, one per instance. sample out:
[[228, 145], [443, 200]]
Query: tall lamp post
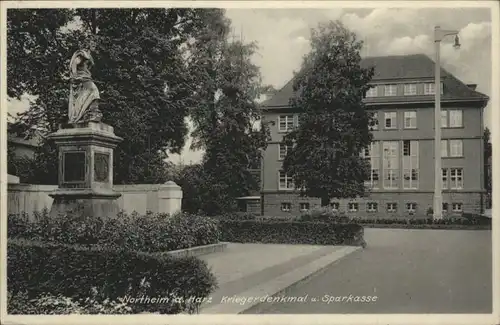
[[439, 34]]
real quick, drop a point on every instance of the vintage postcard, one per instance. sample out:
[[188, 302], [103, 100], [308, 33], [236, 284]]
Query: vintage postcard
[[249, 162]]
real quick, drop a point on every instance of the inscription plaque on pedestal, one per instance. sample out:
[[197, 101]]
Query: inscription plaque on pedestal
[[101, 167], [74, 166]]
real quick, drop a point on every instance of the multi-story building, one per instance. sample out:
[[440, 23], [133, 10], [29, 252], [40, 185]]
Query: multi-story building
[[402, 153]]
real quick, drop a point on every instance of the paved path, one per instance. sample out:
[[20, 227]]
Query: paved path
[[410, 271], [240, 260], [258, 270]]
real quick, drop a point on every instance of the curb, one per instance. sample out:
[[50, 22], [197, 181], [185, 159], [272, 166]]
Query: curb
[[310, 276], [304, 280], [280, 284], [198, 250]]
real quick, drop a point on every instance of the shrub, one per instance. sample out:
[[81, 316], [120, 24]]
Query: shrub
[[278, 218], [450, 220], [238, 216], [148, 233], [47, 304], [100, 278], [323, 214], [282, 232], [477, 219]]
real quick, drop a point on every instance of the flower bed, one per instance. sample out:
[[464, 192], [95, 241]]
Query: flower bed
[[99, 280], [146, 233]]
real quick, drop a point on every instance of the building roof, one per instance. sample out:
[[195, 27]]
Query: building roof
[[12, 137], [393, 68]]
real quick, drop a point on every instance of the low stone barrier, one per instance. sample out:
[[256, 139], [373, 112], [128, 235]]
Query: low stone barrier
[[198, 250]]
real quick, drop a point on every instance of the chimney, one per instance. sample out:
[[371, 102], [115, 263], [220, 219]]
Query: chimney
[[472, 86]]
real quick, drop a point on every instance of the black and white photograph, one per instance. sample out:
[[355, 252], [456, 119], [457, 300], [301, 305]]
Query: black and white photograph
[[287, 159]]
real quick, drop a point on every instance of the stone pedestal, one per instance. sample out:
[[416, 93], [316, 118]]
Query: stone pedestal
[[85, 170], [170, 198]]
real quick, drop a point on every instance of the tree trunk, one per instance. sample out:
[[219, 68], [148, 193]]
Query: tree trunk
[[325, 201]]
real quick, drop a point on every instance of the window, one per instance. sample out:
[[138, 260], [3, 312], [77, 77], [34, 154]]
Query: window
[[390, 90], [390, 164], [392, 179], [444, 119], [390, 120], [286, 206], [452, 148], [444, 148], [410, 89], [372, 154], [456, 178], [286, 122], [285, 181], [335, 206], [411, 207], [371, 207], [392, 207], [429, 88], [375, 176], [452, 118], [456, 120], [410, 164], [304, 206], [444, 176], [283, 149], [353, 206], [372, 92], [410, 120], [456, 148], [410, 178], [445, 207], [374, 123], [406, 148], [456, 207]]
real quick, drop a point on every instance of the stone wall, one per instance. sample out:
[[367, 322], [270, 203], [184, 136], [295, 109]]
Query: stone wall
[[163, 198]]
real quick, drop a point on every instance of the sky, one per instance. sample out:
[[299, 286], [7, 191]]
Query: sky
[[282, 36]]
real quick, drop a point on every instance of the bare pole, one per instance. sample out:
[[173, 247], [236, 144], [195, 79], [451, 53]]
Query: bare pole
[[439, 34], [438, 199]]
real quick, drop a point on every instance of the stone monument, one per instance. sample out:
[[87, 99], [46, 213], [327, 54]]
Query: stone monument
[[85, 147]]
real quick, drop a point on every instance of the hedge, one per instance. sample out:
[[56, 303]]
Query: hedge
[[147, 233], [428, 226], [324, 214], [37, 268], [465, 220], [282, 232], [461, 221]]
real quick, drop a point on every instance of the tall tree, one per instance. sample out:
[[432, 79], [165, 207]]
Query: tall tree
[[333, 129], [191, 179], [39, 43], [226, 114], [140, 70], [488, 152]]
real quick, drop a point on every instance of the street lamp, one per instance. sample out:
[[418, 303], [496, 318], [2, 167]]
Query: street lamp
[[439, 34]]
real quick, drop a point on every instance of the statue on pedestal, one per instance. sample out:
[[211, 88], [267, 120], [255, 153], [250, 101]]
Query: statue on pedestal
[[85, 146], [84, 95]]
